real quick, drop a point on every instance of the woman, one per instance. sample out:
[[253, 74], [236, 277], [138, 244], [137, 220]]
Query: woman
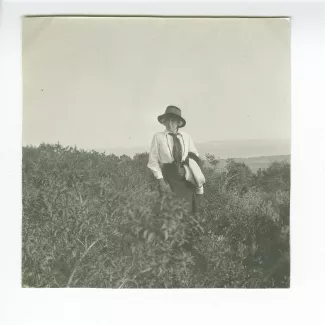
[[173, 159]]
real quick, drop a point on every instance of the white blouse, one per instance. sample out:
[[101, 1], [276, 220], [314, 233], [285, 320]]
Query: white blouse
[[162, 148]]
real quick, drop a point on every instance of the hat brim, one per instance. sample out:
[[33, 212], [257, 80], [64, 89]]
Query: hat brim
[[161, 117]]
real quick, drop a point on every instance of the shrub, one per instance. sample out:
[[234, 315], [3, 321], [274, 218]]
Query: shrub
[[96, 220], [273, 178]]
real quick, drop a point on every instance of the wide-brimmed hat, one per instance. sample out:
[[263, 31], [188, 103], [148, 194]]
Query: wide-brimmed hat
[[172, 111]]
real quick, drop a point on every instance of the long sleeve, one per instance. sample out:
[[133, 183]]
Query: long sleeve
[[153, 163], [192, 147]]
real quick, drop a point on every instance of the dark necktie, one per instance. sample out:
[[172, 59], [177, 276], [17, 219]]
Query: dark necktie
[[177, 149]]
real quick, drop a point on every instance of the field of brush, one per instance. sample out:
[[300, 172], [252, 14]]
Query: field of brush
[[96, 220]]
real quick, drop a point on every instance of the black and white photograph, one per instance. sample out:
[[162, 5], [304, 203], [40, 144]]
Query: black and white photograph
[[156, 152]]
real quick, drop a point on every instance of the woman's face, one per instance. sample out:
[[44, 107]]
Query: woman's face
[[171, 123]]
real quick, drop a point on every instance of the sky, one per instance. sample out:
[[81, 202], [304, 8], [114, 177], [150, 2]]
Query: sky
[[102, 82]]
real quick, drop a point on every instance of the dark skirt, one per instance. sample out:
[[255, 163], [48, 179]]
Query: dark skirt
[[185, 190], [180, 186]]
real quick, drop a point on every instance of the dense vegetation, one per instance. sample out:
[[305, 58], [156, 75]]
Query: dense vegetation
[[95, 220]]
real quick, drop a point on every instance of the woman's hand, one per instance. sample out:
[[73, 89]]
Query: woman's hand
[[163, 186]]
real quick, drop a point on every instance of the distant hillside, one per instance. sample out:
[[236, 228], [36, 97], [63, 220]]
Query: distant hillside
[[245, 148], [224, 149], [254, 163]]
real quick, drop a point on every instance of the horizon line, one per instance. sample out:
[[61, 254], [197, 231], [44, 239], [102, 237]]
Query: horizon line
[[204, 142], [148, 145], [131, 155]]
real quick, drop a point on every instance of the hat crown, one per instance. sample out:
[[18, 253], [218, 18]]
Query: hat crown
[[173, 110]]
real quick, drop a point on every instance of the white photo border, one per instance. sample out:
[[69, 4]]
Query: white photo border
[[302, 302]]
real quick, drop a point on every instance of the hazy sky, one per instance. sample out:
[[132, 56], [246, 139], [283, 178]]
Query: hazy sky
[[101, 82]]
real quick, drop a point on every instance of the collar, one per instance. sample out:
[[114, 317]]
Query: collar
[[166, 132]]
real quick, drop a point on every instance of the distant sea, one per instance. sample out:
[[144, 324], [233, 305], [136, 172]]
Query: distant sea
[[256, 153]]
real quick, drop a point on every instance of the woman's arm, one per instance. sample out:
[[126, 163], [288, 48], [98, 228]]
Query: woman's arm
[[192, 147], [194, 154], [153, 163]]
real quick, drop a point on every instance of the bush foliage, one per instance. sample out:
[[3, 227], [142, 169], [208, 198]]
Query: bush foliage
[[96, 220]]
